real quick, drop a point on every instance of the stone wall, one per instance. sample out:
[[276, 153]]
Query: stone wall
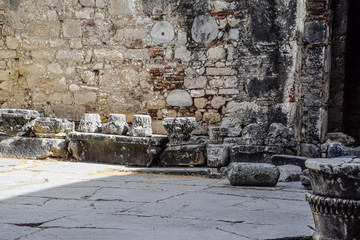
[[227, 63]]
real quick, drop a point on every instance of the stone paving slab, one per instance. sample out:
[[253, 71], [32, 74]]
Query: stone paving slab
[[47, 199]]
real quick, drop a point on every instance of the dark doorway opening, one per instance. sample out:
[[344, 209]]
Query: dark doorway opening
[[344, 93]]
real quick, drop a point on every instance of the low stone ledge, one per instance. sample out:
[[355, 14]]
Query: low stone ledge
[[183, 155], [116, 149], [33, 148], [279, 159]]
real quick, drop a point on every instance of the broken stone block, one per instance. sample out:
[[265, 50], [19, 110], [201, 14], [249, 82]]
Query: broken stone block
[[305, 179], [90, 123], [141, 126], [204, 29], [252, 135], [217, 155], [183, 155], [279, 135], [336, 149], [217, 134], [253, 174], [340, 137], [279, 160], [179, 129], [116, 125], [17, 121], [289, 173], [116, 149], [310, 150], [247, 153], [52, 127], [162, 32], [32, 148]]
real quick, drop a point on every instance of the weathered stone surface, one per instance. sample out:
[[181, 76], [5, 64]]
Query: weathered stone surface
[[289, 173], [116, 149], [217, 155], [336, 149], [279, 135], [52, 127], [253, 174], [217, 102], [71, 28], [179, 129], [279, 160], [335, 177], [315, 31], [116, 125], [32, 148], [216, 53], [204, 29], [310, 150], [183, 155], [121, 7], [217, 134], [252, 134], [141, 126], [17, 121], [179, 98], [90, 123], [340, 137], [260, 154], [162, 32], [305, 179]]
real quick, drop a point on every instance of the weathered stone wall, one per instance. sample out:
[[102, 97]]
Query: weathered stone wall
[[227, 63]]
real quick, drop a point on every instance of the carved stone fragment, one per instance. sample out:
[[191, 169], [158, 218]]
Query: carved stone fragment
[[116, 125], [141, 126], [52, 127], [17, 121], [179, 129], [90, 123], [279, 135]]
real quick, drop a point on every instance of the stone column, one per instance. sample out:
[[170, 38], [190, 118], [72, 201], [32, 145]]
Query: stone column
[[335, 203]]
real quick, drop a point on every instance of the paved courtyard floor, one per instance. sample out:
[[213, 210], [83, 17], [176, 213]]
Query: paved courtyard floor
[[47, 199]]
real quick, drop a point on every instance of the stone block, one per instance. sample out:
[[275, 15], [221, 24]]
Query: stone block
[[279, 135], [279, 160], [7, 54], [90, 123], [85, 13], [12, 42], [121, 7], [52, 127], [305, 179], [220, 71], [32, 148], [252, 134], [253, 174], [211, 117], [233, 34], [200, 102], [260, 154], [71, 28], [217, 102], [336, 149], [116, 125], [141, 126], [197, 93], [181, 37], [289, 173], [116, 149], [87, 3], [162, 32], [179, 129], [216, 53], [217, 134], [179, 98], [8, 75], [183, 54], [204, 29], [193, 81], [17, 121], [183, 155], [340, 137], [310, 150], [315, 31], [70, 55], [217, 155]]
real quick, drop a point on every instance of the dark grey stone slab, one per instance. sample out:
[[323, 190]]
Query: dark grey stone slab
[[116, 149], [247, 153], [183, 155]]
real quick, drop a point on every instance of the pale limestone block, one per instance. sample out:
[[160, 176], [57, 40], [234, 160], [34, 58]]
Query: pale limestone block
[[87, 3], [156, 104], [197, 93], [71, 28], [200, 102], [70, 55], [84, 97], [7, 54], [217, 102], [210, 117], [32, 69], [183, 54], [54, 68], [121, 7], [12, 42], [216, 53], [85, 13]]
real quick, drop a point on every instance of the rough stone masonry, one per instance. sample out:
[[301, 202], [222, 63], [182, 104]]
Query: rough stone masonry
[[226, 63]]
